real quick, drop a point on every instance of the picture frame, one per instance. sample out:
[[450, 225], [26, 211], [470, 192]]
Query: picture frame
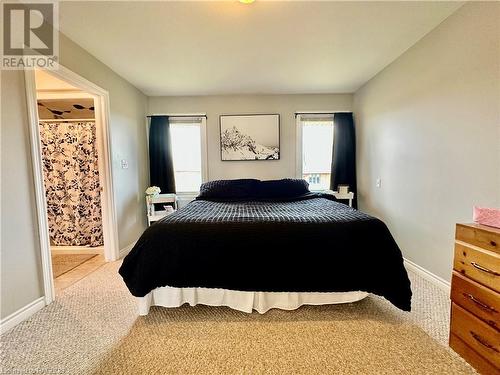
[[249, 137]]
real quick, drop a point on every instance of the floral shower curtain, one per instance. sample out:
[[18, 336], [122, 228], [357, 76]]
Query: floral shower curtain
[[71, 177]]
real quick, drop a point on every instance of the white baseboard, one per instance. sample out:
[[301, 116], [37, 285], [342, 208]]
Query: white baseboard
[[429, 276], [77, 250], [126, 249], [21, 315]]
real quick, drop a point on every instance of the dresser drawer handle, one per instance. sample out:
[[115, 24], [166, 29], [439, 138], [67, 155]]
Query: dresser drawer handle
[[483, 342], [493, 243], [484, 269], [479, 302]]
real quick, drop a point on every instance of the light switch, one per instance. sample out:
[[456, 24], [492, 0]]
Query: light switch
[[379, 182], [124, 163]]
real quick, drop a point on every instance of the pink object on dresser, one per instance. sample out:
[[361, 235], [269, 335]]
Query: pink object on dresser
[[487, 216]]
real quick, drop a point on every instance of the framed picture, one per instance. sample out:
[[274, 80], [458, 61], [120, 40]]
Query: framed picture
[[250, 137]]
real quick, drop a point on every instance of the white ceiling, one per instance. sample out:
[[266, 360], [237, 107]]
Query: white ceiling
[[197, 48]]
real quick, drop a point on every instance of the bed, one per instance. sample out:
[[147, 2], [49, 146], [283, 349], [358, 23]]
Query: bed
[[257, 245]]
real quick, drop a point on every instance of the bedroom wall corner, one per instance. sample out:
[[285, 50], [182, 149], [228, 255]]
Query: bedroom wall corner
[[128, 108], [428, 125]]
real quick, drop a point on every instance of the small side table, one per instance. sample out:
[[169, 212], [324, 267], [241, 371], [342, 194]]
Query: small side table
[[349, 196], [160, 214]]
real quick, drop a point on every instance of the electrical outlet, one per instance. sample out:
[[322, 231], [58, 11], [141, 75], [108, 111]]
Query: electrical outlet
[[379, 182], [124, 163]]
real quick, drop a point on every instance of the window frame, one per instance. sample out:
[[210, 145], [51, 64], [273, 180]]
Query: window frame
[[301, 117], [188, 118]]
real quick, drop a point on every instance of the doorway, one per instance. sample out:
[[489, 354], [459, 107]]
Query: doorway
[[71, 158]]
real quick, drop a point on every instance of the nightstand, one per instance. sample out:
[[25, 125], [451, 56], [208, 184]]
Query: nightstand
[[155, 215], [348, 196]]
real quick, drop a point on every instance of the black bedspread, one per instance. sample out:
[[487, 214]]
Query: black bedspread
[[308, 244]]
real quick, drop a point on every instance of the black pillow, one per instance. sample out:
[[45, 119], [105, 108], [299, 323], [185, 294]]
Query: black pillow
[[285, 188], [230, 189]]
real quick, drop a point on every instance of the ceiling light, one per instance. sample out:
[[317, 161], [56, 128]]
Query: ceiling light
[[246, 1]]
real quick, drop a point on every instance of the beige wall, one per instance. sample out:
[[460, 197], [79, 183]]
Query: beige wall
[[21, 276], [429, 126], [20, 255], [285, 105]]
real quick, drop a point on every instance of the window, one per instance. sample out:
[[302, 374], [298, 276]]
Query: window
[[316, 146], [313, 179], [187, 151]]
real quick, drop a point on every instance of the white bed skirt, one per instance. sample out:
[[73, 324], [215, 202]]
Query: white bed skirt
[[242, 301]]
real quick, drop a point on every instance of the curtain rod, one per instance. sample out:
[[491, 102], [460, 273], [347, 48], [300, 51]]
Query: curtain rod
[[314, 113], [174, 115]]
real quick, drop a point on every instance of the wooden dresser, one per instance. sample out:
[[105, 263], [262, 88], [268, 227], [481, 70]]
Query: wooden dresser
[[475, 296]]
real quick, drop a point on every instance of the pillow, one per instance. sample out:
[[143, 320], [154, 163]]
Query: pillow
[[230, 189], [286, 188]]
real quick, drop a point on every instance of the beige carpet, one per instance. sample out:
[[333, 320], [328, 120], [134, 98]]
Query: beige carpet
[[94, 329], [62, 263]]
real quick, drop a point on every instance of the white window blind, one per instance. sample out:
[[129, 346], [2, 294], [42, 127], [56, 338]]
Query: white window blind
[[317, 146], [186, 138]]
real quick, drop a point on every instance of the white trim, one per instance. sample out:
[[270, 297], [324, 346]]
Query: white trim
[[109, 220], [427, 275], [101, 103], [21, 315], [41, 203], [126, 249], [54, 94], [204, 150]]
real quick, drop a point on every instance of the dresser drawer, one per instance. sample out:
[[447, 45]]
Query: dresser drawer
[[479, 235], [482, 338], [477, 264], [477, 299], [475, 360]]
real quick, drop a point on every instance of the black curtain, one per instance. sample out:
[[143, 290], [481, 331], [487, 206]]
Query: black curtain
[[344, 154], [161, 166]]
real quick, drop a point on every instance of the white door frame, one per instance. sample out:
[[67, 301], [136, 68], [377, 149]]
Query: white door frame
[[101, 104]]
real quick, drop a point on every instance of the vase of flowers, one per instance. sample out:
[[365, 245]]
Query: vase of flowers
[[151, 192]]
